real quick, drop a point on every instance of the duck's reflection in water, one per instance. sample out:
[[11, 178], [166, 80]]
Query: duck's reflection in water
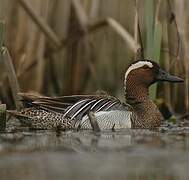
[[72, 141], [133, 154]]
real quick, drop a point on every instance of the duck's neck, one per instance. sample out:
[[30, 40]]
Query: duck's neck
[[136, 93], [147, 114]]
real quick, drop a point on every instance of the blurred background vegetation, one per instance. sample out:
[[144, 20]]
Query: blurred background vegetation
[[61, 47]]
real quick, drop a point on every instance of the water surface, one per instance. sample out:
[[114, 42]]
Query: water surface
[[125, 154]]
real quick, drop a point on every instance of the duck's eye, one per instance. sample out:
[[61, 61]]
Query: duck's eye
[[145, 67]]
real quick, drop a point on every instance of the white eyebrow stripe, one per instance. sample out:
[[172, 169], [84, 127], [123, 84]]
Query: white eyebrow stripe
[[103, 106], [82, 108], [97, 103], [74, 106], [138, 65], [135, 66]]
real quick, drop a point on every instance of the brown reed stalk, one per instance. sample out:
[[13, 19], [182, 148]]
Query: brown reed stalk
[[28, 50], [166, 63], [136, 24], [44, 27], [182, 19], [94, 9], [40, 51], [115, 26], [72, 53], [11, 76]]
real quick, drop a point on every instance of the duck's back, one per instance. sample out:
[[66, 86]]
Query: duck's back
[[71, 112]]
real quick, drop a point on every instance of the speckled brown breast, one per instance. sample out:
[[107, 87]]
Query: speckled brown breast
[[146, 115]]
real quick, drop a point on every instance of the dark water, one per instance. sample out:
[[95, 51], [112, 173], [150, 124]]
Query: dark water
[[126, 154]]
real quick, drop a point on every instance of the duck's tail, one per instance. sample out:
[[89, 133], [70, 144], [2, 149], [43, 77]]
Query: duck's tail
[[23, 118]]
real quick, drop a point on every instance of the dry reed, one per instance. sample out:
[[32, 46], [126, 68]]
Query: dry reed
[[74, 46]]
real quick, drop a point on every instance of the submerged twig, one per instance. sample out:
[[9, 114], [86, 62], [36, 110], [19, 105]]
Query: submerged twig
[[185, 116], [93, 121], [113, 128]]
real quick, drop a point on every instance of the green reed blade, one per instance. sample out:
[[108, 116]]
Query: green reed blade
[[156, 53], [149, 20], [157, 41]]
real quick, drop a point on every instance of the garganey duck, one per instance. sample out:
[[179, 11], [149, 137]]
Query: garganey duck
[[71, 112]]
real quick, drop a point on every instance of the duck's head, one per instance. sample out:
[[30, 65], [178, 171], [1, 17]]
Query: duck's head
[[143, 73]]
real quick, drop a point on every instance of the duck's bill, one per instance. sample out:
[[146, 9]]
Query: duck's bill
[[164, 76]]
